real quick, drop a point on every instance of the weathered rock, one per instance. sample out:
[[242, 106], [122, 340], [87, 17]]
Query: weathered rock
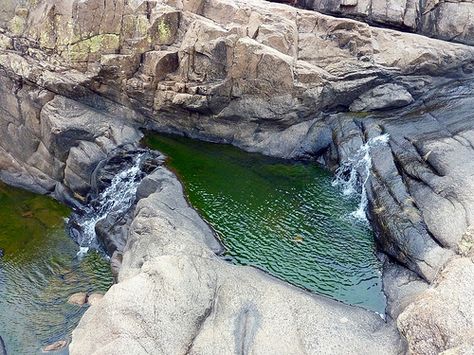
[[444, 19], [112, 232], [116, 264], [265, 77], [78, 299], [386, 96], [401, 286], [94, 299], [64, 140], [442, 318], [207, 305]]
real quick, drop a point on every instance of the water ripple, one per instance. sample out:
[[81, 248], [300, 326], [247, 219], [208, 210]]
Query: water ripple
[[283, 217]]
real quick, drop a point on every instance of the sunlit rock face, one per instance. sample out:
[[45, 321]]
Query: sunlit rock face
[[265, 77], [199, 66], [447, 20]]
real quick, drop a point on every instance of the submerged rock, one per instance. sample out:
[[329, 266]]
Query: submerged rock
[[78, 299], [3, 349], [58, 345]]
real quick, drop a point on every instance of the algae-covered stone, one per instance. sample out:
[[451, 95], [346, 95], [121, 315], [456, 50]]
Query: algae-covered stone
[[91, 48], [5, 42], [17, 25]]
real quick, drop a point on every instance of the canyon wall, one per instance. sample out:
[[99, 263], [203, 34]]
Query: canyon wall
[[262, 76], [451, 20], [79, 78]]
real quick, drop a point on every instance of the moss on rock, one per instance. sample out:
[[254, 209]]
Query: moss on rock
[[100, 44]]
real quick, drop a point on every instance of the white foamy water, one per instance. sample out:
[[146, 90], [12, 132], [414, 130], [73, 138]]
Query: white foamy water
[[352, 176], [117, 198]]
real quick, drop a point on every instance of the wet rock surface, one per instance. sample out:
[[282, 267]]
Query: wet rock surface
[[112, 219]]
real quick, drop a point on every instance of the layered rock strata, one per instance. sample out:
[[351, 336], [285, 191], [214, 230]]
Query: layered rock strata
[[451, 20], [253, 74], [78, 78]]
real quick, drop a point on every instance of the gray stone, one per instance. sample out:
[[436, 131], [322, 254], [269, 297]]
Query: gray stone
[[444, 19], [268, 78], [116, 264], [3, 349], [401, 286], [442, 318], [382, 97]]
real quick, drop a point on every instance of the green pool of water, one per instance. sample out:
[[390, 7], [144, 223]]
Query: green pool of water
[[280, 216], [38, 272]]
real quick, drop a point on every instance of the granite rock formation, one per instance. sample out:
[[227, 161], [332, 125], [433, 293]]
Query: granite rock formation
[[80, 78], [451, 20]]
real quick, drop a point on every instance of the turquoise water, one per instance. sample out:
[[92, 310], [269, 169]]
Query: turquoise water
[[39, 271], [280, 216]]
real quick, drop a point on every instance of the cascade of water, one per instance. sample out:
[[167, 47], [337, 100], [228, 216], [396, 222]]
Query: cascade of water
[[353, 175], [117, 198]]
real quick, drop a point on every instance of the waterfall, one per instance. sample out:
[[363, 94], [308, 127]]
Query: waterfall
[[352, 175], [118, 197]]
